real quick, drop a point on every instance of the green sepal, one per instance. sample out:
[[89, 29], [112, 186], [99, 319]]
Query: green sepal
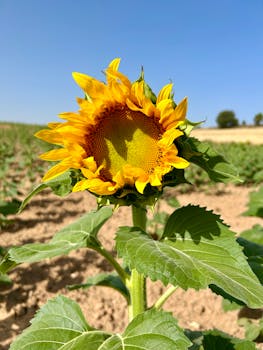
[[147, 89], [187, 126], [203, 155], [174, 178]]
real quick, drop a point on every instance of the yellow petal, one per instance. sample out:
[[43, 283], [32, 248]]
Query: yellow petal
[[55, 154], [140, 185], [138, 92], [55, 171], [132, 106], [54, 125], [165, 93], [90, 164], [155, 180], [95, 185], [169, 136], [118, 77], [114, 65], [180, 163], [181, 110], [50, 136], [76, 151], [81, 186], [91, 86]]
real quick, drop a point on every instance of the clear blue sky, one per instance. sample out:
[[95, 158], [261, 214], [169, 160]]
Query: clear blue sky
[[211, 50]]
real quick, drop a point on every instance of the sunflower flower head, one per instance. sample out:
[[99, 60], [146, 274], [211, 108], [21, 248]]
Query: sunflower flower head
[[123, 139]]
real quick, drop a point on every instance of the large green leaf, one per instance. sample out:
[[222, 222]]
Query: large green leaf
[[216, 340], [79, 234], [255, 206], [192, 257], [150, 330], [203, 155], [59, 324]]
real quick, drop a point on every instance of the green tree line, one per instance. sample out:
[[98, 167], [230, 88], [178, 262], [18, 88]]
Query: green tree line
[[228, 119]]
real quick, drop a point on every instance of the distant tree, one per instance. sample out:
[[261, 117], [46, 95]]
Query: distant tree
[[226, 119], [258, 119], [244, 123]]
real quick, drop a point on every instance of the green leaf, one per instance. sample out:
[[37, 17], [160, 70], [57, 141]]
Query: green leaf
[[216, 340], [11, 207], [6, 264], [111, 280], [253, 328], [255, 207], [5, 280], [234, 302], [254, 254], [61, 186], [188, 126], [251, 249], [197, 222], [28, 198], [150, 330], [81, 233], [192, 255], [203, 155], [227, 305], [255, 234], [59, 324]]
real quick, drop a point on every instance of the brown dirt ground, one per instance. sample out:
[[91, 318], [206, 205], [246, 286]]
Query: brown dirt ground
[[34, 284]]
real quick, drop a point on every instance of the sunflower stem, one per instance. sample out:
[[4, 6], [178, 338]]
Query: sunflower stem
[[121, 272], [137, 284], [159, 303]]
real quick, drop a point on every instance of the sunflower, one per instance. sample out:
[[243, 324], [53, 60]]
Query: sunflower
[[121, 138]]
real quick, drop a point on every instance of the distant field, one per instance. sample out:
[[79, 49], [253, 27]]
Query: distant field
[[243, 134]]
